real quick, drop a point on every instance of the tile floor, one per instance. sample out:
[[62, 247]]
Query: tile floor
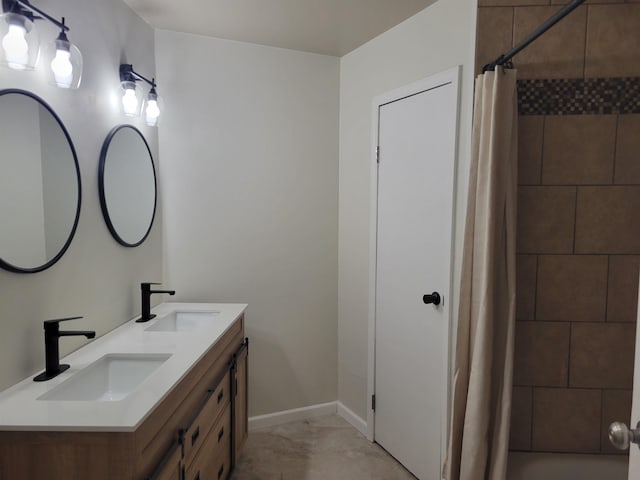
[[323, 448]]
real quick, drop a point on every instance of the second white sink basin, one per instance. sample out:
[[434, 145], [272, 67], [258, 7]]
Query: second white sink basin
[[110, 378], [182, 321]]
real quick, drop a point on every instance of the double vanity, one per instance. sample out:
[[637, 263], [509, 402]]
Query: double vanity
[[161, 400]]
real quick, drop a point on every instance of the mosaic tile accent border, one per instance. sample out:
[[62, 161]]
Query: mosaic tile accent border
[[579, 96]]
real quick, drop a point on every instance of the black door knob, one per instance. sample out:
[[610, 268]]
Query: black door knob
[[433, 298]]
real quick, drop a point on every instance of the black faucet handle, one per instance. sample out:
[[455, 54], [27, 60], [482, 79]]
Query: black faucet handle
[[56, 321]]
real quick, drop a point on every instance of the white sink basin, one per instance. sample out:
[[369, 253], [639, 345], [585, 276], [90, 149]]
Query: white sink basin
[[110, 378], [182, 321]]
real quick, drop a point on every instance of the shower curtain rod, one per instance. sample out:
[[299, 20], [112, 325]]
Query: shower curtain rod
[[505, 58]]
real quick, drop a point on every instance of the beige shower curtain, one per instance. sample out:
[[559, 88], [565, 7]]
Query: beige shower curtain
[[479, 435]]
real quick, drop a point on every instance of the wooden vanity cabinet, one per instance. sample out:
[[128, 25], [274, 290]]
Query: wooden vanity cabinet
[[195, 433], [240, 373]]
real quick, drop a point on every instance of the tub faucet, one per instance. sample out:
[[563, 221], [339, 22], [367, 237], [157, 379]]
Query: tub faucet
[[146, 300], [51, 351]]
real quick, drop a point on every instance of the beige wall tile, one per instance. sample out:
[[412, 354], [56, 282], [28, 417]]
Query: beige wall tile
[[578, 149], [566, 420], [602, 355], [559, 53], [628, 150], [572, 288], [494, 34], [613, 41], [616, 407], [541, 354], [545, 219], [622, 292], [526, 266], [520, 432], [607, 220], [530, 136]]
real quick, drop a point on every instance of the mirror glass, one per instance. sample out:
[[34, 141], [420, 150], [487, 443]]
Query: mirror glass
[[40, 189], [127, 185]]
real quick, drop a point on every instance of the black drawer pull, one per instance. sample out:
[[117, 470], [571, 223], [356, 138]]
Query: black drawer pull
[[220, 434], [197, 477], [220, 472], [194, 436], [220, 396]]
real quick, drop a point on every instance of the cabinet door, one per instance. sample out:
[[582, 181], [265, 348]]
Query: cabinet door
[[241, 399]]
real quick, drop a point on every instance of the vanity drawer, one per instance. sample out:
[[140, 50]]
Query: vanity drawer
[[213, 460], [197, 432]]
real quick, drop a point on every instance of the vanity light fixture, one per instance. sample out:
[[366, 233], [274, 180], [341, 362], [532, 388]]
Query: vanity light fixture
[[21, 44], [131, 104]]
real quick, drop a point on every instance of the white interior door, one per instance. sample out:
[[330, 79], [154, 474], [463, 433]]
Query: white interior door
[[417, 146], [634, 451]]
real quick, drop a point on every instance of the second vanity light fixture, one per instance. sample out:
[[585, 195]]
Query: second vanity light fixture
[[130, 99], [21, 44]]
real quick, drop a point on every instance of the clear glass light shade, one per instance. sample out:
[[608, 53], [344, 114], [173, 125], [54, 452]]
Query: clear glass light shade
[[20, 42], [153, 107], [63, 62], [130, 99]]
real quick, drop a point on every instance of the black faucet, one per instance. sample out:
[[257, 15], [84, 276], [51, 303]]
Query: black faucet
[[146, 300], [52, 354]]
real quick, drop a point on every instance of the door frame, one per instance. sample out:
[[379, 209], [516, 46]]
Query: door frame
[[450, 76]]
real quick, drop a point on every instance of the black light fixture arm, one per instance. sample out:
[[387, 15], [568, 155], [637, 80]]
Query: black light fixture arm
[[127, 74], [20, 6], [505, 58]]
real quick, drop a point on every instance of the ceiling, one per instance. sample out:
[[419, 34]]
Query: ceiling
[[330, 27]]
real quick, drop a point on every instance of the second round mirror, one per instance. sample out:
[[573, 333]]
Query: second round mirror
[[127, 185]]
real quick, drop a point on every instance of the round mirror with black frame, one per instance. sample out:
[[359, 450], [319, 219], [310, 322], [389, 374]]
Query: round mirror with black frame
[[127, 184], [40, 189]]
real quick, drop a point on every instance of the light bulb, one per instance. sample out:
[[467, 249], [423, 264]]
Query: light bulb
[[62, 68], [130, 102], [16, 49], [152, 112]]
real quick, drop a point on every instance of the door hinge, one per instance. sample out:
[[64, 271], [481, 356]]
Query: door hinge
[[373, 402], [378, 154]]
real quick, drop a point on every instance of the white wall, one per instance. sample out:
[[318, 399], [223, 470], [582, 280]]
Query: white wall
[[97, 277], [249, 143], [439, 37]]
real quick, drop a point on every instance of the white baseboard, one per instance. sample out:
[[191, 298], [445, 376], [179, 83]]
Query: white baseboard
[[286, 416], [319, 410], [355, 421]]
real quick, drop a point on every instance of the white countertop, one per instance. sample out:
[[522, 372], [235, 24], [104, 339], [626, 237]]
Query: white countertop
[[20, 408]]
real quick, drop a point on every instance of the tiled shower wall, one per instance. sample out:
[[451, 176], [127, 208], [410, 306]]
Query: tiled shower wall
[[578, 219]]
